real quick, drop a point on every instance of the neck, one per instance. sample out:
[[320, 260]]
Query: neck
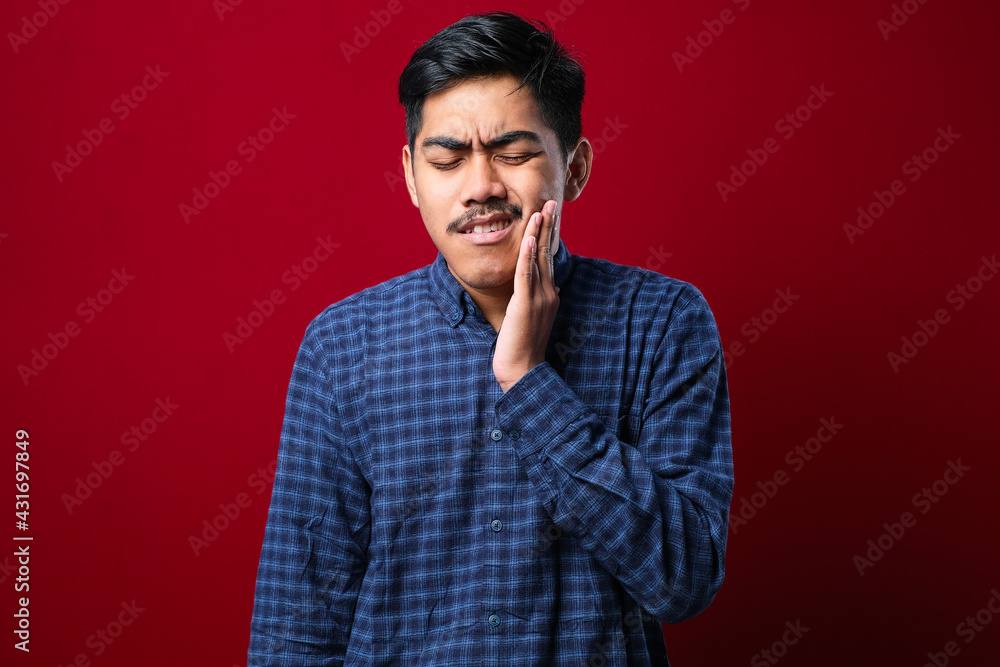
[[491, 300], [493, 303]]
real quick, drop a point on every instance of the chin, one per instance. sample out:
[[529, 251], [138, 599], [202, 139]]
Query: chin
[[485, 278]]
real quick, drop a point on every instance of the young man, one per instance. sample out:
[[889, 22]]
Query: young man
[[514, 455]]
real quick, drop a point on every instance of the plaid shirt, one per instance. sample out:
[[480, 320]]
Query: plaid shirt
[[420, 516]]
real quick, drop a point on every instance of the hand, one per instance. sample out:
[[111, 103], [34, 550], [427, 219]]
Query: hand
[[527, 325]]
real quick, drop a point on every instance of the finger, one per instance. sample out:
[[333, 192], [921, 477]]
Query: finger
[[533, 245], [545, 241], [553, 247], [527, 256]]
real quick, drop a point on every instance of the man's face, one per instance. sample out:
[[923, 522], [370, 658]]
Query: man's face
[[483, 156]]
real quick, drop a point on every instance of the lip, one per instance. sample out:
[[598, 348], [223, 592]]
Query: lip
[[486, 238]]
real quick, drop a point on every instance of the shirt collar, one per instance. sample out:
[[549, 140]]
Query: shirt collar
[[451, 297]]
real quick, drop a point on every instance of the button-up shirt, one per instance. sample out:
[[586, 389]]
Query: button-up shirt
[[422, 516]]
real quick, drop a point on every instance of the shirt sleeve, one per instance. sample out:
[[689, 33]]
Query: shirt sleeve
[[653, 512], [318, 527]]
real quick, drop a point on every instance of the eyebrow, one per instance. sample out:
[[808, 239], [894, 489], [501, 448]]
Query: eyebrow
[[504, 139]]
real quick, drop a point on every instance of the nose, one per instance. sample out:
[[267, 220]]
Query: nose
[[482, 182]]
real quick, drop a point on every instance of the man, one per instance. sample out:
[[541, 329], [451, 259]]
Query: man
[[514, 455]]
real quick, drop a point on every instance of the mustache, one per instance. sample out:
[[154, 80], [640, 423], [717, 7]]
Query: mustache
[[512, 210]]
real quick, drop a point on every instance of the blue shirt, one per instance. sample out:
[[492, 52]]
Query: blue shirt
[[420, 516]]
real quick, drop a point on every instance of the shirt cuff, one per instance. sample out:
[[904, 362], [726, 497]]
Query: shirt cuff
[[537, 409]]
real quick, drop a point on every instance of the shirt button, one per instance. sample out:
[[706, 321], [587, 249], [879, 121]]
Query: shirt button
[[496, 434], [494, 620], [496, 525], [455, 317], [515, 434]]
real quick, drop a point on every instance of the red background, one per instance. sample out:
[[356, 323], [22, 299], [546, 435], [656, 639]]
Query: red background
[[332, 173]]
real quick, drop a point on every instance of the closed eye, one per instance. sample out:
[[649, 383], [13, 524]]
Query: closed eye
[[509, 159], [515, 159]]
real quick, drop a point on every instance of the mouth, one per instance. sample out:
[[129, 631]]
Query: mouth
[[492, 223], [487, 230], [495, 226]]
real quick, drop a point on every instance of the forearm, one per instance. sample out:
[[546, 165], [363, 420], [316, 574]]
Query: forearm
[[654, 515]]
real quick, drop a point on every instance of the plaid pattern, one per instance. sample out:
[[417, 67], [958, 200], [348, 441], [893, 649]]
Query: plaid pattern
[[422, 517]]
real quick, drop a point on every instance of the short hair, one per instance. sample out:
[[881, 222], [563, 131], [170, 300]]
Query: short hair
[[491, 44]]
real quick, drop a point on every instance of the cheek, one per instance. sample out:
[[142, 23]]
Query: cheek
[[531, 189], [434, 212], [434, 189]]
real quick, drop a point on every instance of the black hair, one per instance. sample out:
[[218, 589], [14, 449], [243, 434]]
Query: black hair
[[491, 44]]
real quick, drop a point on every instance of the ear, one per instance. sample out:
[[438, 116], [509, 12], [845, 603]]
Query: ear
[[578, 169], [408, 172]]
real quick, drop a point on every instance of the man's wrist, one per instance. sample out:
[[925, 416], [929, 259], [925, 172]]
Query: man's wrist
[[510, 380]]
